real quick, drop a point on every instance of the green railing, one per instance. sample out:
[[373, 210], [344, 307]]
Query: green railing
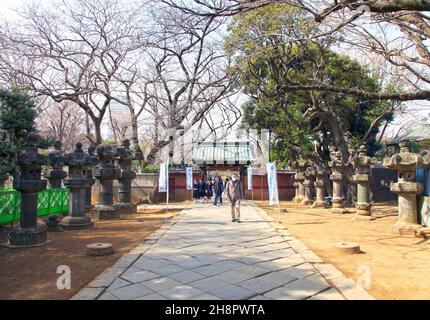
[[49, 201]]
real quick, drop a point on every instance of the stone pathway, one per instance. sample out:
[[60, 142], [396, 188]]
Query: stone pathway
[[201, 254]]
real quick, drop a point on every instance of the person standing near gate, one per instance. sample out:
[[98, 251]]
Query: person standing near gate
[[234, 193], [218, 189], [209, 189], [202, 190]]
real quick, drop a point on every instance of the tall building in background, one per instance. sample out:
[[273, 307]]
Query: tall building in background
[[120, 116]]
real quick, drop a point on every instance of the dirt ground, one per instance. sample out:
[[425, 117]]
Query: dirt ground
[[30, 273], [399, 265]]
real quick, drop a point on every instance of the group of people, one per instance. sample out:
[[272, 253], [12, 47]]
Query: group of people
[[231, 186], [205, 190]]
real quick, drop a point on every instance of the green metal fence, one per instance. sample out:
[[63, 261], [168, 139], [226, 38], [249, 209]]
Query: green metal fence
[[49, 201]]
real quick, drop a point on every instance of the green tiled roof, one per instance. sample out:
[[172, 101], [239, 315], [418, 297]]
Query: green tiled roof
[[224, 153]]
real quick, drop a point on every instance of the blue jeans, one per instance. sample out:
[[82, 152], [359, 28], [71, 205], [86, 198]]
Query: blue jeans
[[218, 195]]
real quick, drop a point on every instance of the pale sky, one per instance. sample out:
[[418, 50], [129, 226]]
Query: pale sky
[[6, 5], [423, 107]]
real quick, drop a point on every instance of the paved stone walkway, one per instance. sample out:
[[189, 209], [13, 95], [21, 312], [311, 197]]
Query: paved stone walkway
[[201, 254]]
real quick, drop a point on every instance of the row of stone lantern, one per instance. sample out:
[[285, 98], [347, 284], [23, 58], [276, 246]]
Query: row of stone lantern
[[98, 162], [309, 181], [407, 188]]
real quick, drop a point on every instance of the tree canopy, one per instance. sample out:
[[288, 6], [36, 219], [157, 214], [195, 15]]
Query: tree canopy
[[17, 116], [302, 120]]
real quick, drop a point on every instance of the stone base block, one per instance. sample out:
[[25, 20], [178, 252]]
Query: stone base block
[[339, 210], [424, 232], [338, 205], [306, 202], [320, 204], [298, 199], [347, 247], [76, 223], [126, 208], [363, 212], [23, 237], [406, 228], [362, 217], [99, 249], [104, 212], [89, 208], [9, 246]]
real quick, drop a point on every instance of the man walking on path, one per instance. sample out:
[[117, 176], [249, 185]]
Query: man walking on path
[[218, 189], [234, 193]]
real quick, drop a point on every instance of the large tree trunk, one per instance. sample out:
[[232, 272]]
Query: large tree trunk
[[98, 132], [115, 137], [135, 139]]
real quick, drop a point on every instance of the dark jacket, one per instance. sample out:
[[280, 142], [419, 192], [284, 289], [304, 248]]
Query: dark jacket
[[196, 192], [218, 186], [209, 189], [202, 189]]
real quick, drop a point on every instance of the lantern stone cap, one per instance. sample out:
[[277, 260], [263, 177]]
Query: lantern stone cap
[[309, 171], [56, 157], [124, 152], [78, 157], [30, 156], [406, 160], [362, 159], [106, 150], [320, 171], [126, 143], [304, 162], [337, 162]]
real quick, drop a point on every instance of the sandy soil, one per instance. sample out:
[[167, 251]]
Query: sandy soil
[[399, 265], [30, 273]]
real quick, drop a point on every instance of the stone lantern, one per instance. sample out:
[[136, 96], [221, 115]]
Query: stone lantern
[[320, 173], [338, 167], [299, 178], [292, 166], [106, 172], [125, 177], [90, 178], [77, 161], [56, 161], [3, 178], [362, 163], [309, 183], [406, 187], [28, 182]]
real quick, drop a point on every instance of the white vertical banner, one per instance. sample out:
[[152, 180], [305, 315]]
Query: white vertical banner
[[249, 172], [189, 177], [163, 179], [272, 183]]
